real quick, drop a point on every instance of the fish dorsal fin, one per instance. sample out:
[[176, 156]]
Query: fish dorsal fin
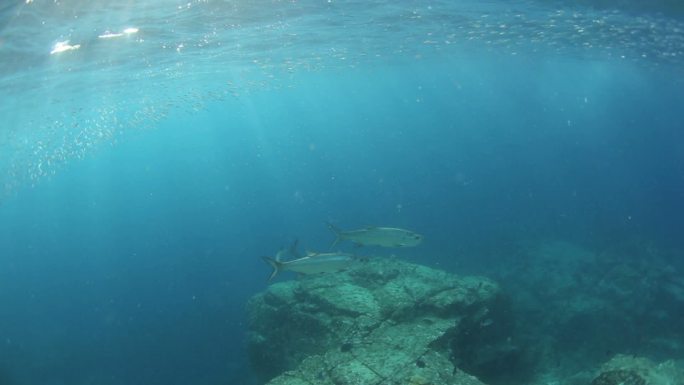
[[293, 249]]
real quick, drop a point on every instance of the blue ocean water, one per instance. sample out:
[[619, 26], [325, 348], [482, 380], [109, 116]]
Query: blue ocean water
[[145, 172]]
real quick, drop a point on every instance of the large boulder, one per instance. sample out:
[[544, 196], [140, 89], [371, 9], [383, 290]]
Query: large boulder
[[631, 370], [383, 321]]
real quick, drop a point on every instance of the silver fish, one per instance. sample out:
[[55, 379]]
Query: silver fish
[[312, 263], [378, 236]]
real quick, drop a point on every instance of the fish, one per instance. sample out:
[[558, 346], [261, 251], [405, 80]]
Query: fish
[[377, 236], [311, 263]]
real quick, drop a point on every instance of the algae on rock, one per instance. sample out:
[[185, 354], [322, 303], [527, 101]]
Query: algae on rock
[[381, 322], [630, 370]]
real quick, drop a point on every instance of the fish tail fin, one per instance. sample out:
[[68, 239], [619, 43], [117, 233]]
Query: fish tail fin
[[337, 232], [276, 265]]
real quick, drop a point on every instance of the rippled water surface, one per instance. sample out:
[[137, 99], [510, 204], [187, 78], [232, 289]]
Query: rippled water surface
[[74, 74]]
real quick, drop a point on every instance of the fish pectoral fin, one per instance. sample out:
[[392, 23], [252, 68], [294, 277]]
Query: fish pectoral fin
[[335, 242]]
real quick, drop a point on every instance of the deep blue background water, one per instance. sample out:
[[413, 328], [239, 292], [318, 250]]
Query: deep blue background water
[[134, 265]]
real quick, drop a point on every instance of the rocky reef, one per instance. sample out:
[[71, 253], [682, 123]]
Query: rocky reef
[[578, 306], [384, 321], [630, 370]]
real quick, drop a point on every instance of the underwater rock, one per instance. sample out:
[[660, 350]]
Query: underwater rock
[[383, 322], [619, 377], [577, 306], [630, 370]]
